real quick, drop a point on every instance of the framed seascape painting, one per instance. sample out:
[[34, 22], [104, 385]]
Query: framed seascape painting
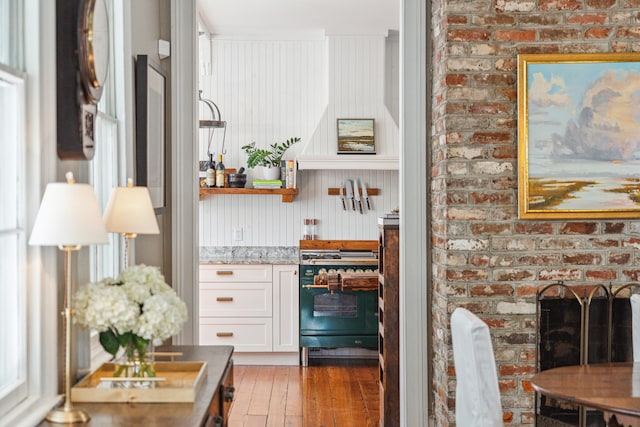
[[356, 136], [579, 136]]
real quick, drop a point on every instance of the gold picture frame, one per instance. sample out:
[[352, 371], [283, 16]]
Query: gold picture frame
[[579, 136]]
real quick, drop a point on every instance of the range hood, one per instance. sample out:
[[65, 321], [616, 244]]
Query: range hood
[[362, 82]]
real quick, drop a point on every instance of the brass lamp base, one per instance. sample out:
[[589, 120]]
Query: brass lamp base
[[67, 416]]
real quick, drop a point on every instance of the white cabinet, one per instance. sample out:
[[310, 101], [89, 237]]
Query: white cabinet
[[286, 330], [243, 333], [253, 307], [236, 299]]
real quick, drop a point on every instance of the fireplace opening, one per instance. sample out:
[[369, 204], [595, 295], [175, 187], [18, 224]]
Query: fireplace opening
[[574, 329]]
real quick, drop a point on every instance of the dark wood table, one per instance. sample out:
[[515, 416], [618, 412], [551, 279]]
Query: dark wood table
[[612, 387], [194, 414]]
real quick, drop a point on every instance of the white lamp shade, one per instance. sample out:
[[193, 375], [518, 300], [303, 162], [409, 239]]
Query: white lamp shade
[[129, 210], [69, 215]]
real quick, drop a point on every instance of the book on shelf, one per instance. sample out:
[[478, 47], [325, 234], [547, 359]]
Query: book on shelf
[[267, 183]]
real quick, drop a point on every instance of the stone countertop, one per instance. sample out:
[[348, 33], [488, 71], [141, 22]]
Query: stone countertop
[[249, 255]]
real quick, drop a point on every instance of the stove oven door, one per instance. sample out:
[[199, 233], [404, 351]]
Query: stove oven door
[[337, 319]]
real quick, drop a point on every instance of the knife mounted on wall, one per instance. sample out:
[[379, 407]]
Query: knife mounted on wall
[[365, 196], [349, 185], [344, 204], [356, 194]]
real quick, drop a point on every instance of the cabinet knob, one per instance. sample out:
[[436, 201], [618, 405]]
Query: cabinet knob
[[224, 334], [224, 299]]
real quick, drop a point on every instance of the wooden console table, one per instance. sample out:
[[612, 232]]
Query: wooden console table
[[209, 409]]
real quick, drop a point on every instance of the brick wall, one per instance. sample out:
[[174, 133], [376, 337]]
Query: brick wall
[[485, 259]]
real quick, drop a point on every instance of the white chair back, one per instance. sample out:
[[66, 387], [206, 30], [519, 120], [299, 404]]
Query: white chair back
[[477, 393], [635, 325]]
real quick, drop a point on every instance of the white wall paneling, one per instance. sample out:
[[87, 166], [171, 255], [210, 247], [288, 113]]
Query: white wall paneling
[[269, 90], [359, 82], [392, 70]]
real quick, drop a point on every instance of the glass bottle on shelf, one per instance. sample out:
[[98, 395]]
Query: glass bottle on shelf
[[309, 231], [209, 167], [220, 172], [204, 167]]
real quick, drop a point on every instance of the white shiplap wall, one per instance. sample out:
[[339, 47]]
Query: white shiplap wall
[[270, 90]]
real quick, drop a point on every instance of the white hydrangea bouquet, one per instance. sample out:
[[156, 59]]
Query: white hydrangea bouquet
[[131, 312]]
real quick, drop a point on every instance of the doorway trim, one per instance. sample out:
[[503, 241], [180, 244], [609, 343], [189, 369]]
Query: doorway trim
[[184, 161], [414, 190], [415, 401]]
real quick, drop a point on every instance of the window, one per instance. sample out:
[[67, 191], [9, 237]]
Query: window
[[104, 176], [29, 315], [105, 259], [13, 308], [104, 166], [14, 385]]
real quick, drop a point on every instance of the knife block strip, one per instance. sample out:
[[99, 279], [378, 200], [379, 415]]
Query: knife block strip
[[370, 191]]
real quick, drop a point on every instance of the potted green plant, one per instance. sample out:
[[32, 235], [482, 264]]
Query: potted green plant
[[268, 158]]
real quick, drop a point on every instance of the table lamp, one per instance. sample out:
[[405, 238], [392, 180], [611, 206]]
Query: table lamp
[[130, 212], [69, 218]]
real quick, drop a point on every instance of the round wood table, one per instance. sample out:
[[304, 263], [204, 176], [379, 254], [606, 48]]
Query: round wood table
[[613, 387]]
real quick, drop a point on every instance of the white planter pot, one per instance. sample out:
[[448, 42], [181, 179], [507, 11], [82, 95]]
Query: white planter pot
[[268, 173]]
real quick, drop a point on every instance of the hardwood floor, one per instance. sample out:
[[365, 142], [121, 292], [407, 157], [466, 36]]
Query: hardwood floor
[[325, 394]]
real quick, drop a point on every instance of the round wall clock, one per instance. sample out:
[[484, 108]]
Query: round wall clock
[[93, 48]]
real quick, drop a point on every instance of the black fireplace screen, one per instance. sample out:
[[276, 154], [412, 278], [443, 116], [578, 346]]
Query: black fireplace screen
[[579, 329]]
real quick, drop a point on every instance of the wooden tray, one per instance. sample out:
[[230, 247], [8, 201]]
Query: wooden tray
[[181, 383]]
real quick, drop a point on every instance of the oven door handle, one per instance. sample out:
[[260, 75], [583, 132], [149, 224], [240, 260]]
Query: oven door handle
[[354, 261], [315, 286]]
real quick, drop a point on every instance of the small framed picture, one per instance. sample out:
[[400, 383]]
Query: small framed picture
[[356, 136]]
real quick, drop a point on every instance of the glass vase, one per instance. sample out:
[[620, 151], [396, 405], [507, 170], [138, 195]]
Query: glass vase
[[133, 366]]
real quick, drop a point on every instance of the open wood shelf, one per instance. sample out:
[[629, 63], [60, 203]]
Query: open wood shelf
[[287, 193]]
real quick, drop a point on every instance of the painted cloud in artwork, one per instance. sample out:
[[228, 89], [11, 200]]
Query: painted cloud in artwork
[[544, 93], [605, 124]]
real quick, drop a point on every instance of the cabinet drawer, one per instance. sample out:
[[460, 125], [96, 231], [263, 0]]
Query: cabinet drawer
[[235, 273], [245, 334], [236, 300]]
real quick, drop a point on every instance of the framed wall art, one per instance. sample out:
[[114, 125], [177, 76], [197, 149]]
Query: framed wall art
[[151, 130], [579, 136], [356, 136]]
